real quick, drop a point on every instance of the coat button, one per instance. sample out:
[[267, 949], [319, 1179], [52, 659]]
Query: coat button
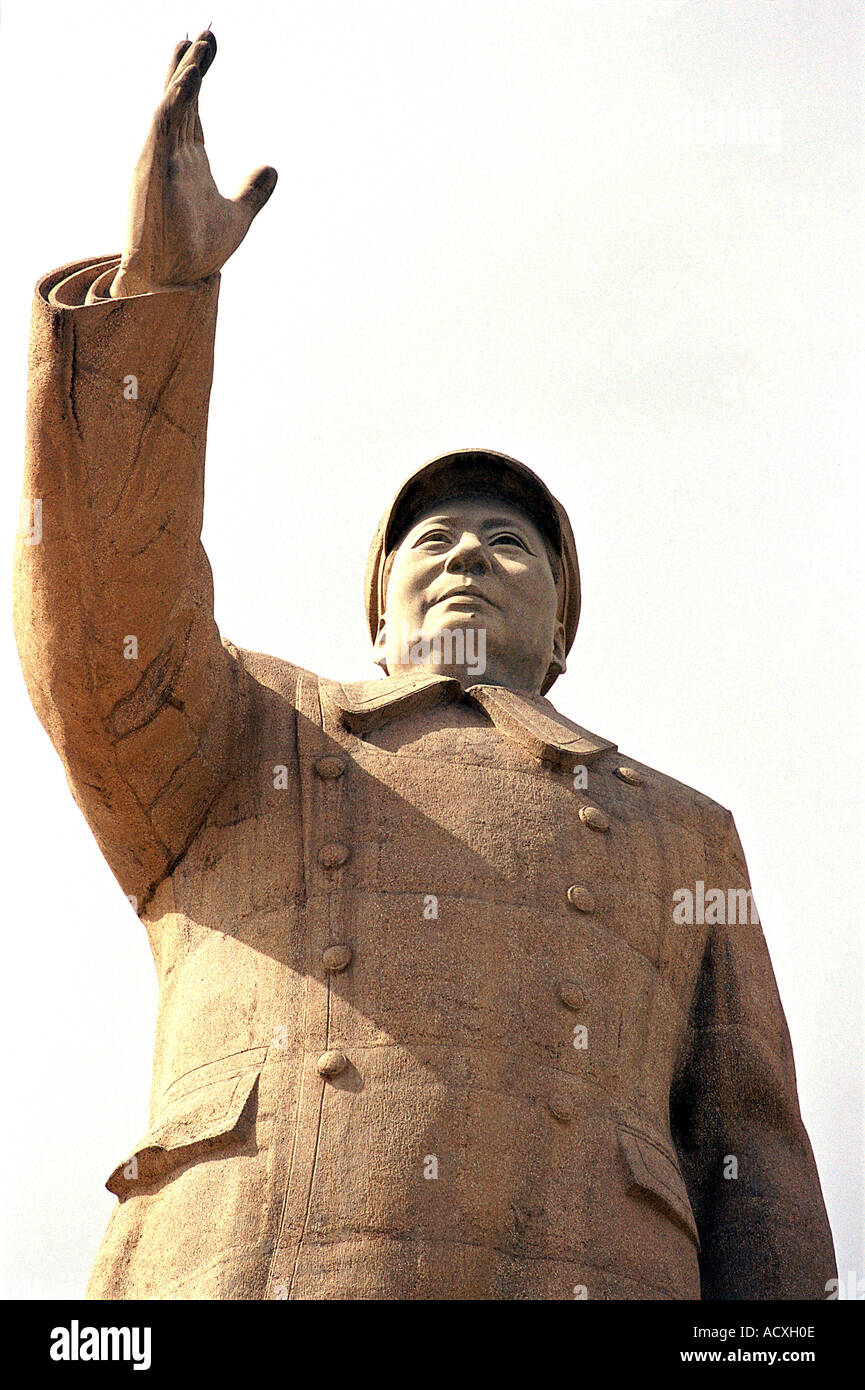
[[336, 958], [330, 766], [594, 818], [571, 994], [331, 856], [580, 898], [331, 1064], [561, 1106], [631, 776]]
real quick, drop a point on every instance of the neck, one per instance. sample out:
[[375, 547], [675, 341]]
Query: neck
[[469, 673]]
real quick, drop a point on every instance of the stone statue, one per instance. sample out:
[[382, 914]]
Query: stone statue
[[456, 1001]]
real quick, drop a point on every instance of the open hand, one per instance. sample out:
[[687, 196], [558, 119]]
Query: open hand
[[180, 228]]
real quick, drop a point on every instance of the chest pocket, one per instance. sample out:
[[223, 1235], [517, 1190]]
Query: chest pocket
[[654, 1174], [202, 1113]]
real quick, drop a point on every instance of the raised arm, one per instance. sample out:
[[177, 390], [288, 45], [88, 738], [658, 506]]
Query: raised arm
[[113, 593]]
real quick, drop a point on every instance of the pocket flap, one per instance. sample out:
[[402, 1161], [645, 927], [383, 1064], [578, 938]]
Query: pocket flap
[[188, 1125], [653, 1170]]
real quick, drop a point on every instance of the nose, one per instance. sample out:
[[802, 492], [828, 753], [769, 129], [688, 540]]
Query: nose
[[468, 556]]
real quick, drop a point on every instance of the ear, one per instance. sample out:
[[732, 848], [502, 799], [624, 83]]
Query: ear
[[380, 644], [558, 664]]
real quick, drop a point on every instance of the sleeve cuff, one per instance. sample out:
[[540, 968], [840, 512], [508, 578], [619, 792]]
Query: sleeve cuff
[[83, 282], [89, 282]]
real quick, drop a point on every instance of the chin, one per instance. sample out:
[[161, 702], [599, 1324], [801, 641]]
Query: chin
[[457, 647]]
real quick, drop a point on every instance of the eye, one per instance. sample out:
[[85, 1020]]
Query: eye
[[434, 536], [508, 538]]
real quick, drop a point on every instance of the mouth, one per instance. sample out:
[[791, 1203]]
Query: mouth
[[467, 597]]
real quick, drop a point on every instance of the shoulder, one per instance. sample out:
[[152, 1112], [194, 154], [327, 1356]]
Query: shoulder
[[640, 790], [284, 679]]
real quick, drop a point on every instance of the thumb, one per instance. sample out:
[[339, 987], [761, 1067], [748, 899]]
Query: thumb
[[256, 190]]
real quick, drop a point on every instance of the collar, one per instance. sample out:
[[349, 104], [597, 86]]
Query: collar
[[530, 720]]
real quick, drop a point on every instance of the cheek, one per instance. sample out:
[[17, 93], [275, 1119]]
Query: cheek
[[533, 589], [405, 587], [546, 591]]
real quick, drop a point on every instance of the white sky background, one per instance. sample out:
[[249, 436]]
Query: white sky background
[[517, 225]]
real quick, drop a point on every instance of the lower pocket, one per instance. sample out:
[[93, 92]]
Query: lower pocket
[[653, 1173], [190, 1125]]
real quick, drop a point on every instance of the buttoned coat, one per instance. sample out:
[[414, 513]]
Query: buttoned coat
[[428, 1026]]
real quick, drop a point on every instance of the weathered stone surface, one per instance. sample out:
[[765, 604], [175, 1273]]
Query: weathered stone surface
[[522, 1005]]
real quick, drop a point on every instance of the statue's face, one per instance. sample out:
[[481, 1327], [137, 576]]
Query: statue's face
[[471, 594]]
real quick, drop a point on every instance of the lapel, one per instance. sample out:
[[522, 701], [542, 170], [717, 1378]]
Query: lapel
[[530, 721]]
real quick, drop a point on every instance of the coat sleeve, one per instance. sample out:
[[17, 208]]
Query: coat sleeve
[[743, 1148], [113, 597]]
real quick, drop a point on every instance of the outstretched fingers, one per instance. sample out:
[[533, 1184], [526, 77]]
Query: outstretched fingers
[[173, 110], [178, 114], [200, 53], [187, 134], [205, 46], [179, 50]]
